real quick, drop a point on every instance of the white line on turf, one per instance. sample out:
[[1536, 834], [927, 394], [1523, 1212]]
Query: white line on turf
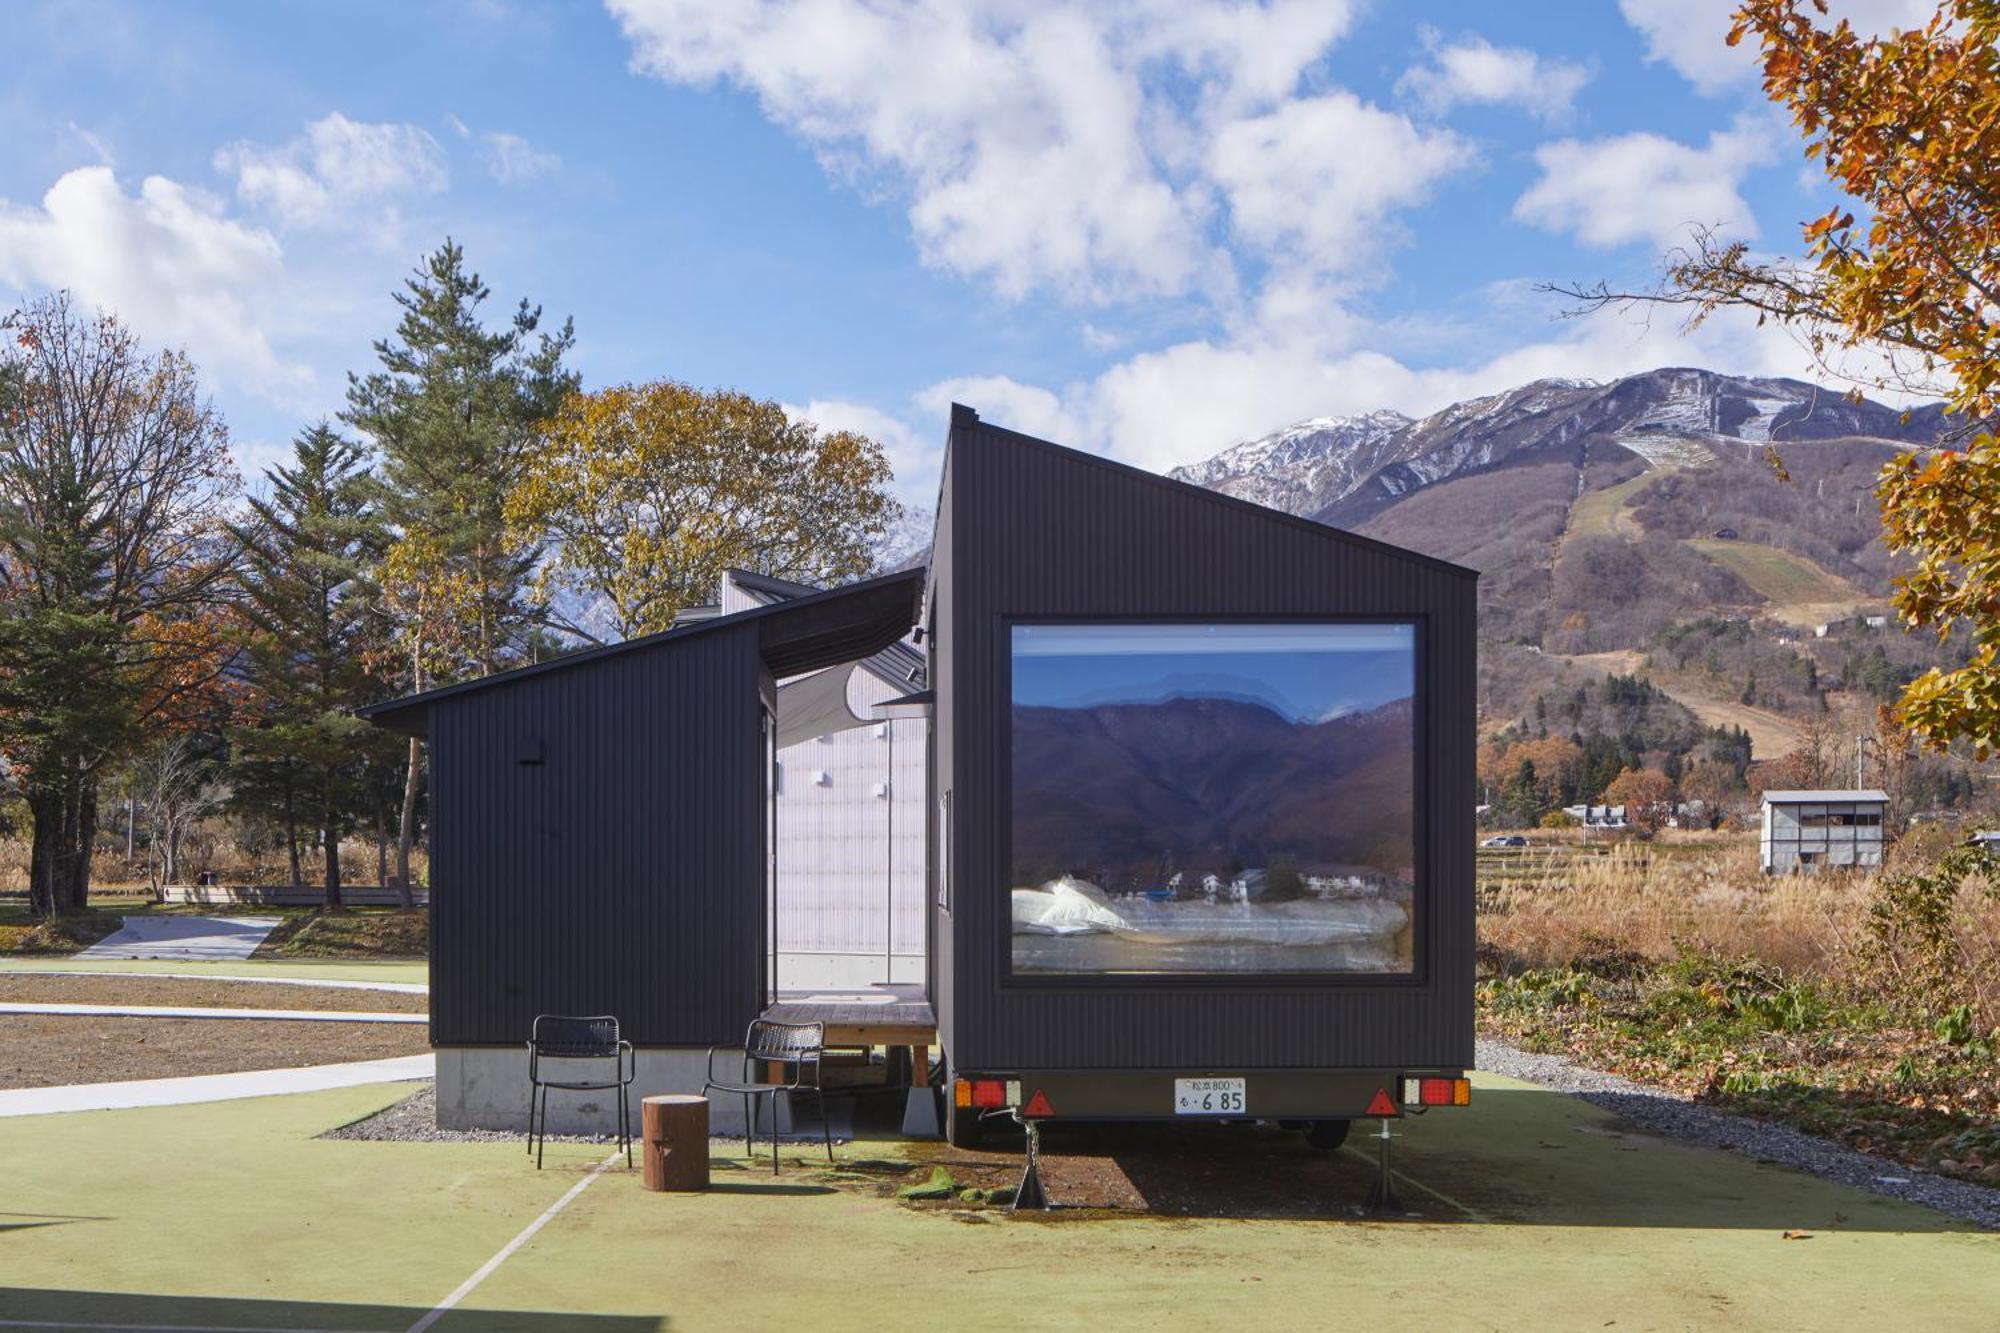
[[527, 1234], [1471, 1214]]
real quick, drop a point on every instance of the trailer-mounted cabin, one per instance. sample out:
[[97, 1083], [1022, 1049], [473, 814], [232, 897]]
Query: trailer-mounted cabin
[[1195, 814]]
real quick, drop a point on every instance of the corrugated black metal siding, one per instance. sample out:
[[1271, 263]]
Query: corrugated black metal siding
[[1028, 529], [624, 873]]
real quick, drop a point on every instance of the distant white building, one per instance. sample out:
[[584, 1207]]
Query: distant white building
[[1597, 816], [1806, 830]]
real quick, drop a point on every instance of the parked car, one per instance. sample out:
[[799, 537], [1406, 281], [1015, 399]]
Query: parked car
[[1505, 840]]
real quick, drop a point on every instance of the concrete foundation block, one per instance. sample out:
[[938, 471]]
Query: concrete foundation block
[[486, 1087], [920, 1114]]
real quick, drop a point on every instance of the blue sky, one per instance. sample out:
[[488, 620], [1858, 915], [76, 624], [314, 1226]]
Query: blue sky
[[1146, 228]]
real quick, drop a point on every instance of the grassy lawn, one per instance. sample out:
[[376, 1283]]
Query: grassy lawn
[[24, 934], [355, 932], [1537, 1211], [415, 971]]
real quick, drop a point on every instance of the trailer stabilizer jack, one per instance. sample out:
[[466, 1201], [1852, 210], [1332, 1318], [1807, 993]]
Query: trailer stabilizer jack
[[1030, 1193], [1382, 1200]]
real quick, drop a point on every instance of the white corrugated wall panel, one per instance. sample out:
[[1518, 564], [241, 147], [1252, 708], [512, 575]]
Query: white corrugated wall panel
[[843, 880]]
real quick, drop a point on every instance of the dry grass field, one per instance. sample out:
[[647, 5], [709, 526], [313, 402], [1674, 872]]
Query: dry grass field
[[1803, 998]]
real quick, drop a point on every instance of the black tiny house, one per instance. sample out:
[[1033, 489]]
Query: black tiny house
[[1106, 994], [598, 838], [1201, 839]]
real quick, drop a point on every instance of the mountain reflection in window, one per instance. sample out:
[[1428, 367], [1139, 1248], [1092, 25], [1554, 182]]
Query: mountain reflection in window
[[1223, 799]]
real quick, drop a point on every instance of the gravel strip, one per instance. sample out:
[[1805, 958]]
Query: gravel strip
[[414, 1120], [1674, 1116]]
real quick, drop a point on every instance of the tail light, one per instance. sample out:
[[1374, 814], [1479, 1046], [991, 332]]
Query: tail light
[[1430, 1091]]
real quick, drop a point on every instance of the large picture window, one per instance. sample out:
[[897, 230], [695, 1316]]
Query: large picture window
[[1219, 799]]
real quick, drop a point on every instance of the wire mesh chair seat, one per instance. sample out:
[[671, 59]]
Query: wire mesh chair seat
[[797, 1050], [569, 1037]]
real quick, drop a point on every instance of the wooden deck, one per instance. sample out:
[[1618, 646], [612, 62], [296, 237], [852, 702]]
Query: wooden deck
[[879, 1016]]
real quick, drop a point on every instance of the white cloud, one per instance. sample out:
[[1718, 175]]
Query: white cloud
[[1092, 152], [512, 160], [1182, 403], [1318, 178], [340, 174], [1027, 408], [1642, 187], [1690, 35], [914, 453], [166, 260], [1474, 71]]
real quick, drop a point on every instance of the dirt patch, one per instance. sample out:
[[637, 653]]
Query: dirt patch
[[201, 993], [43, 1051], [349, 934], [1239, 1171]]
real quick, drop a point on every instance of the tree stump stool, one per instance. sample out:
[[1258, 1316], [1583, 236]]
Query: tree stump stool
[[675, 1131]]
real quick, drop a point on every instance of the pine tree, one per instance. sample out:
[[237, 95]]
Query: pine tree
[[452, 413], [308, 547]]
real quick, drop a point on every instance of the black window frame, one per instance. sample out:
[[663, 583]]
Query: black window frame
[[1418, 975]]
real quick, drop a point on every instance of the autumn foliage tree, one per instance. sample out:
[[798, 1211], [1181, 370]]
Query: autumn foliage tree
[[114, 561], [1906, 272], [644, 494], [1647, 795]]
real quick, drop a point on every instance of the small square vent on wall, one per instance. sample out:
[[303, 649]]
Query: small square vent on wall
[[528, 752]]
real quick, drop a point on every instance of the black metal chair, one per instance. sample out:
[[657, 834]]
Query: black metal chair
[[797, 1049], [563, 1037]]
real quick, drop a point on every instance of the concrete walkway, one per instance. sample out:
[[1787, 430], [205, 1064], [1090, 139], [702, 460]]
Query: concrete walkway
[[185, 938], [212, 1087], [396, 987], [176, 1011]]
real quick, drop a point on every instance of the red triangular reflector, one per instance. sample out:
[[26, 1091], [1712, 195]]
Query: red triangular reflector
[[1038, 1105], [1383, 1104]]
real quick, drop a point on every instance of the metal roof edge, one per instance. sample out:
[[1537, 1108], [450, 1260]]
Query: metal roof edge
[[965, 417], [388, 708]]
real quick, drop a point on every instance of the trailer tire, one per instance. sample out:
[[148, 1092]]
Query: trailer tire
[[1328, 1135]]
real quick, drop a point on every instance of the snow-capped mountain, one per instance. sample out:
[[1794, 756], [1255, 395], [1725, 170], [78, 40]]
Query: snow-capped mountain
[[907, 543], [1344, 468], [1289, 468]]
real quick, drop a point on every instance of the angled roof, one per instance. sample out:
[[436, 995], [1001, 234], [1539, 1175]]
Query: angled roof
[[1809, 796], [814, 630], [963, 417], [898, 664]]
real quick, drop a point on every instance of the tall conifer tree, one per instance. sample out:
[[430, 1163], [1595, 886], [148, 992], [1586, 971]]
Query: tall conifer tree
[[452, 413], [308, 547]]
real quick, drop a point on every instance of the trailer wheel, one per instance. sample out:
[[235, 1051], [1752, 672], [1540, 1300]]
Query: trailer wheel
[[1328, 1135]]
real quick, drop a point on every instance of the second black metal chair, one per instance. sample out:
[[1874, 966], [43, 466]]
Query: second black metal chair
[[795, 1049]]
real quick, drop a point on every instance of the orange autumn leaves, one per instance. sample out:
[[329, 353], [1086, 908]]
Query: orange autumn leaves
[[1907, 125]]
